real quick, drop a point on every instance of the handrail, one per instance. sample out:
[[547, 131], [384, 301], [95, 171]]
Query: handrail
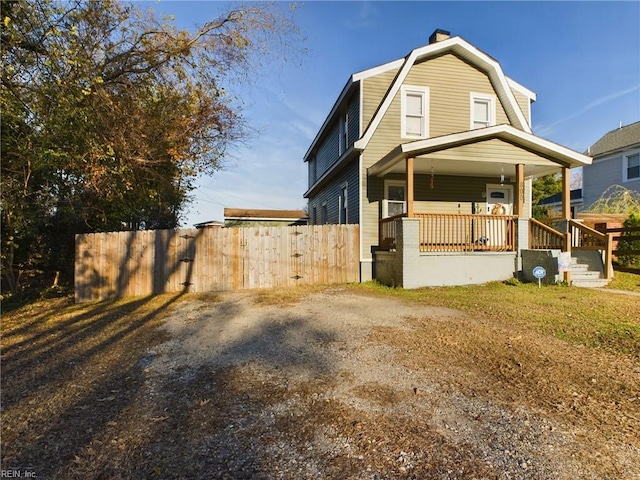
[[387, 232], [542, 236], [590, 239]]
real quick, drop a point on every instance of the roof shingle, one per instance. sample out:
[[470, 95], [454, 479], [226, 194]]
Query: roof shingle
[[617, 139]]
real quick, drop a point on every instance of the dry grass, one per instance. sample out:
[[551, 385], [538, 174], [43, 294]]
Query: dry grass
[[594, 318], [76, 400]]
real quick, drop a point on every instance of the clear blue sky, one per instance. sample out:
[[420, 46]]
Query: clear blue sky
[[581, 58]]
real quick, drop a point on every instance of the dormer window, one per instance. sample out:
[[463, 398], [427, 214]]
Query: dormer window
[[483, 110], [415, 112]]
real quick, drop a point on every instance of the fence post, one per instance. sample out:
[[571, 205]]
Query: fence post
[[608, 260]]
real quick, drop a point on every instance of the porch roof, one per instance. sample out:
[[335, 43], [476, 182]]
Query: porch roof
[[481, 152]]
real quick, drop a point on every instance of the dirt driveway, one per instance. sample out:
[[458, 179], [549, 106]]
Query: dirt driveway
[[311, 390], [341, 385]]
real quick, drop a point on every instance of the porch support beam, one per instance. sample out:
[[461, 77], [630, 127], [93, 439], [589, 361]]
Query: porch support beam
[[409, 170], [519, 205], [566, 215], [566, 193]]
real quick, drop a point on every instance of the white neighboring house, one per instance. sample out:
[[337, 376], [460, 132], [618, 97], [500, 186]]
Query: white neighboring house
[[616, 161]]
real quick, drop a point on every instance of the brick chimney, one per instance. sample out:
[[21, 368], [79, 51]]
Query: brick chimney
[[438, 35]]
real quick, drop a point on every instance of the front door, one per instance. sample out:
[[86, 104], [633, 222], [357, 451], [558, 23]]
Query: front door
[[499, 202]]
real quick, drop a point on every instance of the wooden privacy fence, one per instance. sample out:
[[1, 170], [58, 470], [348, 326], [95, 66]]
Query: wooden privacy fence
[[120, 264]]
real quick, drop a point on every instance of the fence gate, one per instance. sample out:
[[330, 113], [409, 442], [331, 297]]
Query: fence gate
[[119, 264]]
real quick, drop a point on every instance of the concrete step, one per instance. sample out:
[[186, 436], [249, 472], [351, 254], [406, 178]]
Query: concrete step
[[594, 283], [585, 275]]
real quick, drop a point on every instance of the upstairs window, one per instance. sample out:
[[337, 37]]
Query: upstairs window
[[342, 205], [414, 122], [631, 167], [483, 111], [344, 133]]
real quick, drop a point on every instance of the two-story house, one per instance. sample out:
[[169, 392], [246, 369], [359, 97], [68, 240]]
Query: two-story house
[[433, 156], [616, 161]]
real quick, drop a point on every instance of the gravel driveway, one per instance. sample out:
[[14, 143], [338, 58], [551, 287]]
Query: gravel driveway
[[312, 390]]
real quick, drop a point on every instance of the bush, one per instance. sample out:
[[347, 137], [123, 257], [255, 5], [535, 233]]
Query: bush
[[630, 259]]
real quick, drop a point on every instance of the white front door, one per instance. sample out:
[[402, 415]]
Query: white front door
[[499, 202]]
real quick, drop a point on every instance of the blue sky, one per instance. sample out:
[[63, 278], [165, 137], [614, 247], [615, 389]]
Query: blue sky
[[581, 58]]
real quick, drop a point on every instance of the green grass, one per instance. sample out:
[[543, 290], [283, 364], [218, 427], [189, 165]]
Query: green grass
[[595, 318], [625, 281]]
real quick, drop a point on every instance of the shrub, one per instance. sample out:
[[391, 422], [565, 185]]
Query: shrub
[[629, 244]]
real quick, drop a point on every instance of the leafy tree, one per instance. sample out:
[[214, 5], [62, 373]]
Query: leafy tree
[[544, 187], [110, 113]]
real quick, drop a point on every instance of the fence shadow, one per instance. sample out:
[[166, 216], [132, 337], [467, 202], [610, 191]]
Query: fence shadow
[[104, 391]]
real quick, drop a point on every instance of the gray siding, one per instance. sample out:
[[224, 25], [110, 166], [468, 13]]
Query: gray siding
[[331, 193], [328, 149], [353, 108], [327, 152], [602, 174]]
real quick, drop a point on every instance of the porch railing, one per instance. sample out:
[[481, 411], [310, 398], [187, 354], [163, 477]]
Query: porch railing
[[387, 232], [542, 236], [585, 238], [579, 237], [441, 232]]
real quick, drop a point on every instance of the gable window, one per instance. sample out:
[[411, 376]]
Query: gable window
[[414, 121], [631, 167], [483, 110]]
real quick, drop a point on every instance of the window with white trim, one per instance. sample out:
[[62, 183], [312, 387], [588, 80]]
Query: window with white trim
[[395, 198], [414, 121], [631, 167], [483, 110]]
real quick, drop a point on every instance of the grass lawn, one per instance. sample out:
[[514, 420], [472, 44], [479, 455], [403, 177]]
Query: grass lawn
[[77, 400], [592, 317]]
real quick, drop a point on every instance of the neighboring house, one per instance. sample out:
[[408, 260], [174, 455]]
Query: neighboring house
[[442, 137], [243, 217], [616, 161], [554, 202]]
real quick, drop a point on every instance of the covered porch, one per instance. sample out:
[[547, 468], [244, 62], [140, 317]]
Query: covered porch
[[481, 231]]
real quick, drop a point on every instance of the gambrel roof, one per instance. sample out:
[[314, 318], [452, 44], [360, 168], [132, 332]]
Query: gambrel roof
[[502, 84], [470, 54]]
